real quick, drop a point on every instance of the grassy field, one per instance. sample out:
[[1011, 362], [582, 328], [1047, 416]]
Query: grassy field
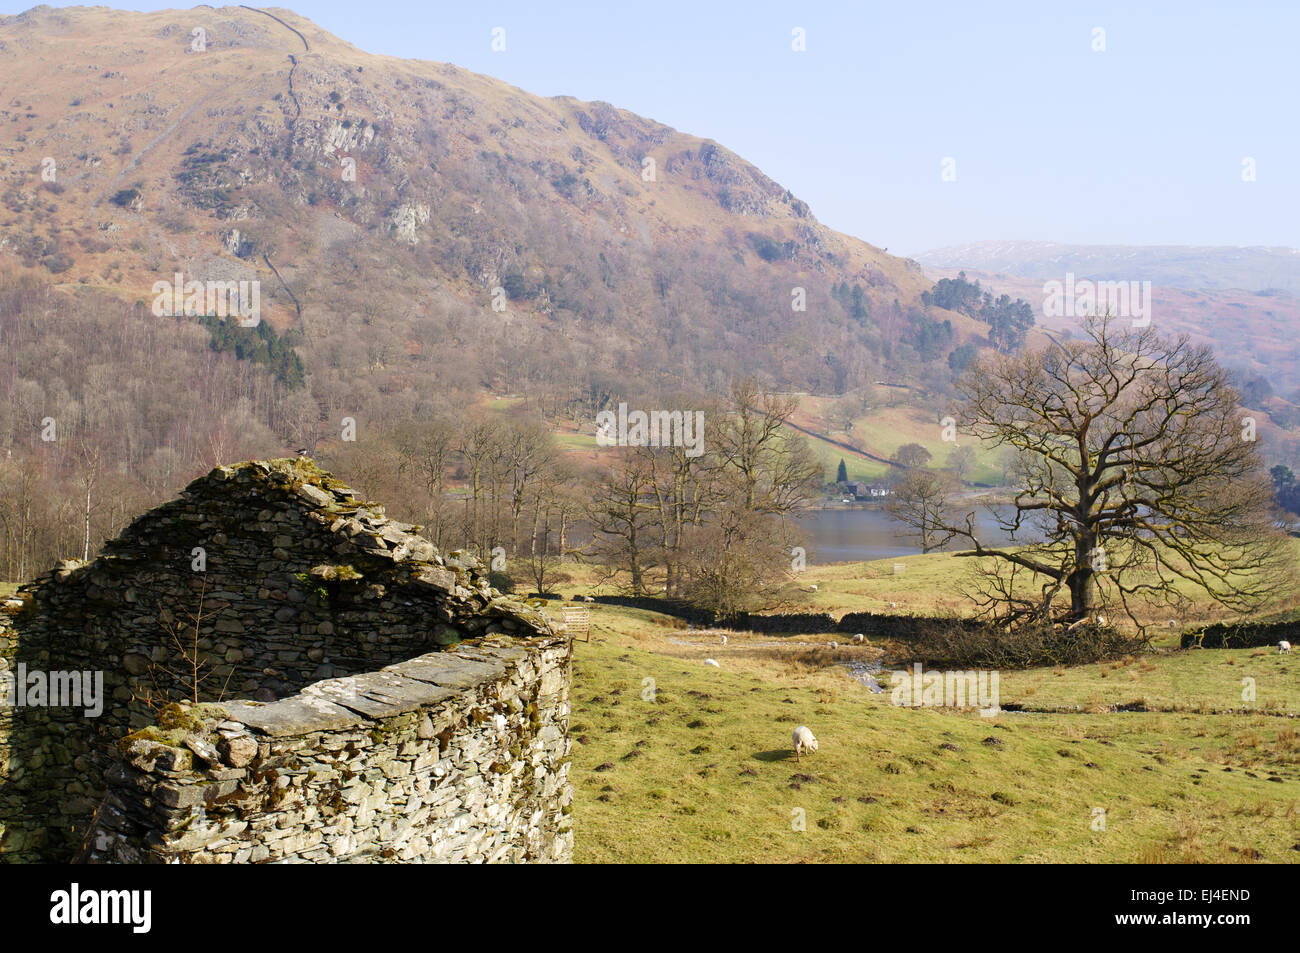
[[881, 432], [675, 760]]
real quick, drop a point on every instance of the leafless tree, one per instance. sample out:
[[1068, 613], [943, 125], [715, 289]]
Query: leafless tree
[[922, 501], [1137, 473]]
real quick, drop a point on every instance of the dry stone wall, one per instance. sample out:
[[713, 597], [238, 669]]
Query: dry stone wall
[[449, 757], [271, 575]]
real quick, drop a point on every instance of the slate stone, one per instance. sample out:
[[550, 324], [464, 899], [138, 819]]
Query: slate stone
[[292, 716], [379, 694], [449, 670]]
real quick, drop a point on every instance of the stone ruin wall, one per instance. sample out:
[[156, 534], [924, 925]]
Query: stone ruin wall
[[302, 582], [449, 757]]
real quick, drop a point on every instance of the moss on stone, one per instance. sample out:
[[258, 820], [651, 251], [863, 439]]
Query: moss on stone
[[192, 718], [346, 573], [175, 723], [174, 738]]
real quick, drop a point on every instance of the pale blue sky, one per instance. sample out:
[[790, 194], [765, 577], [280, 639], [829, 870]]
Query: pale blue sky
[[1140, 144]]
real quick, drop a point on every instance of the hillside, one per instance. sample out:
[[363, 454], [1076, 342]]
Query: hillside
[[1243, 302], [380, 202]]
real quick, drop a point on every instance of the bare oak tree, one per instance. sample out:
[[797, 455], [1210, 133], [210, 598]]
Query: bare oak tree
[[1138, 473]]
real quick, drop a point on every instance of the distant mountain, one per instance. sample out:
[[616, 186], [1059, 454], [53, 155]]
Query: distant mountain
[[1254, 334], [1173, 266]]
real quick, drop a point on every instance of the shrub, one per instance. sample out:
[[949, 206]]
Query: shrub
[[58, 263], [768, 249], [987, 645]]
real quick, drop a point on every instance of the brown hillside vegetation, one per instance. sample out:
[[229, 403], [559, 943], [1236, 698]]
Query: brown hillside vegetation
[[207, 163]]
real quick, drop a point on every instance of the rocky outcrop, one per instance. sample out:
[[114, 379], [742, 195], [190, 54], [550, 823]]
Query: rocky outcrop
[[404, 222]]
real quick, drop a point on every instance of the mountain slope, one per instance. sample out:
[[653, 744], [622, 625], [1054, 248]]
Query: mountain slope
[[381, 203]]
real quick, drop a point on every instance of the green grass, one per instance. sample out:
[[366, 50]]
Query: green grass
[[502, 404], [1199, 679], [885, 430], [828, 457], [700, 770], [576, 440]]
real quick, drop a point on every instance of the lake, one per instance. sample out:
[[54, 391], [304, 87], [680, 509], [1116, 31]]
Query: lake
[[843, 534]]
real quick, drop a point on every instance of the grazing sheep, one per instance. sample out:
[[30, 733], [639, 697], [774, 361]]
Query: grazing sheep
[[893, 605], [1173, 623], [1284, 647], [1101, 620], [803, 741], [857, 639], [709, 661], [724, 640], [835, 645]]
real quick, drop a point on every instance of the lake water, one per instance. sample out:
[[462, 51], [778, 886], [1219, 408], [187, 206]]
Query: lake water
[[841, 534]]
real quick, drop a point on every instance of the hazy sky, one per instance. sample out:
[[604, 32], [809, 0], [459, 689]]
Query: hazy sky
[[1143, 143]]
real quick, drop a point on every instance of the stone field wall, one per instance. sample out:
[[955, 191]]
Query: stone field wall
[[449, 757]]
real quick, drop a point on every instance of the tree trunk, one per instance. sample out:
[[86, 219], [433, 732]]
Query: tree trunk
[[1080, 581]]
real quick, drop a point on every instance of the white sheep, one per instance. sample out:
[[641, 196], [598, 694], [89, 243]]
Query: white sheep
[[709, 661], [724, 640], [857, 639], [893, 605], [1284, 647], [803, 741], [835, 645]]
